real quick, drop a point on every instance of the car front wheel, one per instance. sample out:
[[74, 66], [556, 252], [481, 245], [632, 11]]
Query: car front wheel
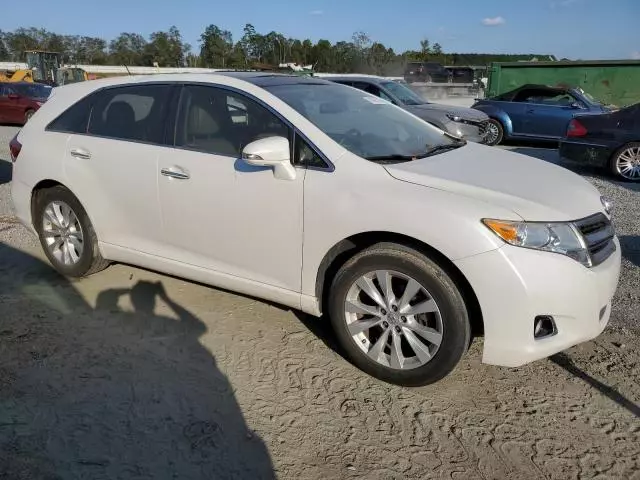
[[398, 315], [494, 132], [66, 234]]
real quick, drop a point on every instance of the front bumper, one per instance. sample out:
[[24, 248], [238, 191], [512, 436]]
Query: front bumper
[[470, 131], [514, 285]]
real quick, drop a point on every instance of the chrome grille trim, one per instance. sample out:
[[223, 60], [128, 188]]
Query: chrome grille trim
[[598, 234]]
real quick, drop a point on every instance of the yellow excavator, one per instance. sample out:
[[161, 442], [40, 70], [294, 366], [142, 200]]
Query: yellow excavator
[[44, 67]]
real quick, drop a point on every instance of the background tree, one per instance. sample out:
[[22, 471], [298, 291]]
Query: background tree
[[216, 46], [127, 49], [217, 49]]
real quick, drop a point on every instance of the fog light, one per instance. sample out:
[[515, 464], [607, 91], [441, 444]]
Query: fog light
[[544, 326]]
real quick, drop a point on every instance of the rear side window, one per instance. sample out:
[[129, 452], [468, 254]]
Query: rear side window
[[135, 113], [74, 119]]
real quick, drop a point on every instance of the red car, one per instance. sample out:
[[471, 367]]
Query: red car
[[20, 100]]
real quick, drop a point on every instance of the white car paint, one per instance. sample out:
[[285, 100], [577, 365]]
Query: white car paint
[[240, 227]]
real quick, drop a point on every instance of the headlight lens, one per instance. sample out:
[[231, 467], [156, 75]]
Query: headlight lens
[[549, 237], [454, 117], [607, 204]]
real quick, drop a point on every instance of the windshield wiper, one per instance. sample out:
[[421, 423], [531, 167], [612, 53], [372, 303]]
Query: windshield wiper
[[458, 142], [443, 148], [393, 157]]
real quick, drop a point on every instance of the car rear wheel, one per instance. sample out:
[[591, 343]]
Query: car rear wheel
[[494, 132], [66, 234], [398, 315], [625, 162], [28, 114]]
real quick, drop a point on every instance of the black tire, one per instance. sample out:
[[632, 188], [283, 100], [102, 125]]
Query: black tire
[[456, 329], [613, 162], [28, 114], [90, 261], [492, 122]]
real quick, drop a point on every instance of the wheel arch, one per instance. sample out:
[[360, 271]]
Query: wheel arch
[[347, 247], [50, 183], [499, 115]]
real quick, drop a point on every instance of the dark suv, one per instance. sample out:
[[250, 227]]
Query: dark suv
[[425, 72]]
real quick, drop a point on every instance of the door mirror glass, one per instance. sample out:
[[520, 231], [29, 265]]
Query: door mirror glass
[[273, 152]]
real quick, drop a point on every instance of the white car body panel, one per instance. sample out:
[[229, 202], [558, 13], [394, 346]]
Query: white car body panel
[[238, 227]]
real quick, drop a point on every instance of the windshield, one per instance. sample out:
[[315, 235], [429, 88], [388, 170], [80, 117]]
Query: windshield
[[404, 93], [589, 97], [368, 126], [33, 91]]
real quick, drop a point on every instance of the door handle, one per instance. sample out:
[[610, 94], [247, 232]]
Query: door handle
[[175, 172], [530, 110], [80, 153]]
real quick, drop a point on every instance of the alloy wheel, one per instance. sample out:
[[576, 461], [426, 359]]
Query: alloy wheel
[[628, 163], [492, 133], [393, 319], [62, 233]]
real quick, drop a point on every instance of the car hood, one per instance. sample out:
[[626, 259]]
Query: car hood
[[463, 112], [533, 189]]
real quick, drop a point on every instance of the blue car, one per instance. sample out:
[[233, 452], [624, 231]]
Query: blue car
[[535, 112]]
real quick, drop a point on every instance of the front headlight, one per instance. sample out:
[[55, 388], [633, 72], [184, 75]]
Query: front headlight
[[454, 117], [549, 237]]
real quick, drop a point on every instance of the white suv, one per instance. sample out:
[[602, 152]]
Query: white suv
[[326, 199]]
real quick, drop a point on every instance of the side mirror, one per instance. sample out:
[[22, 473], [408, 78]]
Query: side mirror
[[13, 96], [271, 152]]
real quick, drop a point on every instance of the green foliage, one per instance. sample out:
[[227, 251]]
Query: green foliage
[[217, 50]]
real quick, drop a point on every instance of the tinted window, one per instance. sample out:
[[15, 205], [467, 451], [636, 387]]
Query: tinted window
[[131, 113], [215, 120], [307, 156], [5, 90], [74, 119]]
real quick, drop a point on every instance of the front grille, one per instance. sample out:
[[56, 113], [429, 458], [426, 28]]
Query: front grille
[[598, 234]]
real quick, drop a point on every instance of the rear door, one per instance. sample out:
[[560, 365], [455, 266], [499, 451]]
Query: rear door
[[4, 100], [113, 166], [10, 108]]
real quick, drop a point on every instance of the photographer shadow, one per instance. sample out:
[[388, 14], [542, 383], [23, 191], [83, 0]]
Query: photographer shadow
[[109, 393]]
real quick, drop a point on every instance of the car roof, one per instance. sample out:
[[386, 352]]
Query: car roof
[[356, 78], [267, 79]]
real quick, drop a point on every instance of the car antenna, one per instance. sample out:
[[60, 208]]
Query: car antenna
[[127, 69]]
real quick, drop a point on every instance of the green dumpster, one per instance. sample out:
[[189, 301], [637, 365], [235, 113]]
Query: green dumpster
[[614, 82]]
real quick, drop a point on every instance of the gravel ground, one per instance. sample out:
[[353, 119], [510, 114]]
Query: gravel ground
[[130, 374]]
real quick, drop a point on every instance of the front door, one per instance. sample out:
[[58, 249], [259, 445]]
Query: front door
[[218, 212], [548, 115], [113, 166]]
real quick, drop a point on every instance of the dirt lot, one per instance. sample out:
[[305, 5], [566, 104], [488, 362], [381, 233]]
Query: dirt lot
[[134, 375]]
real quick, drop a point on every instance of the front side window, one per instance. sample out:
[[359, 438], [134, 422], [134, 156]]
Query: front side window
[[307, 156], [370, 127], [218, 121], [133, 113]]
